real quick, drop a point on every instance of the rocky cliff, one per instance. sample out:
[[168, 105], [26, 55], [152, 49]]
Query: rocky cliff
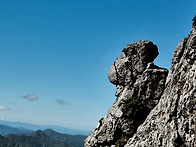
[[151, 108], [140, 85]]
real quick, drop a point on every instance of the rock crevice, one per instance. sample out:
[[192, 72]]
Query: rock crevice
[[175, 115], [153, 107], [140, 85]]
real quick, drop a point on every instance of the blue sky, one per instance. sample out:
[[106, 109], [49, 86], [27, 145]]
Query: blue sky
[[55, 55]]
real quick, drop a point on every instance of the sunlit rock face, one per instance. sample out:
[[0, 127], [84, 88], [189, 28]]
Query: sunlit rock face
[[140, 85], [172, 122], [151, 108]]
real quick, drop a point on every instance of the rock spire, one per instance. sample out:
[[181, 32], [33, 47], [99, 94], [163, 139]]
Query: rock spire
[[140, 85], [152, 107]]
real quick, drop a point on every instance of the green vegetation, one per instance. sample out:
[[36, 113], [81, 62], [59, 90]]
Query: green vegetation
[[47, 138], [134, 109], [130, 106], [71, 140], [35, 139], [4, 142], [121, 142]]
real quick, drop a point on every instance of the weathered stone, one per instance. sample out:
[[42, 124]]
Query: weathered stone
[[132, 62], [139, 87], [172, 123], [149, 111]]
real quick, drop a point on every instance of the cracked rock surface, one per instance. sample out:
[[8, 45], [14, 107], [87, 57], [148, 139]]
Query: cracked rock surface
[[140, 85], [151, 108], [172, 123]]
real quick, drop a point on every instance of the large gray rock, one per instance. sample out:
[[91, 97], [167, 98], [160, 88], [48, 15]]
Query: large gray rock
[[172, 123], [140, 85]]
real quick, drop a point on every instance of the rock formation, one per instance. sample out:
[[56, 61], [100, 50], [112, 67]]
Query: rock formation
[[139, 86], [151, 108], [173, 121]]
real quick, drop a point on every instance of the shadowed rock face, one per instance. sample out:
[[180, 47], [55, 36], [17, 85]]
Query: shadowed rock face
[[140, 85], [148, 110], [172, 122]]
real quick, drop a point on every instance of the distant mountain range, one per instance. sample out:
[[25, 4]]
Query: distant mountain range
[[28, 127], [5, 130], [46, 138]]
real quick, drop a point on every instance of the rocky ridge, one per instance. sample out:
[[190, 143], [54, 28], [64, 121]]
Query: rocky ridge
[[151, 108], [173, 121]]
